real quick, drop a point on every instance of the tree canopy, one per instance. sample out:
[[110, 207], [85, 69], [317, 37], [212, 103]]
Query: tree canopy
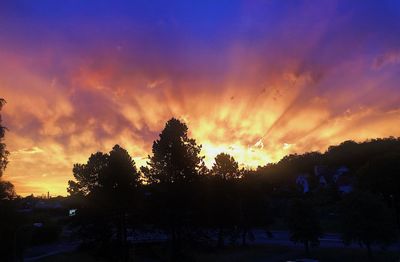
[[113, 174], [7, 190], [176, 157], [366, 220], [3, 151], [225, 167], [303, 222]]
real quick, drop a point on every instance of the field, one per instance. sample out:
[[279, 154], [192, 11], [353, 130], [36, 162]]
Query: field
[[262, 253]]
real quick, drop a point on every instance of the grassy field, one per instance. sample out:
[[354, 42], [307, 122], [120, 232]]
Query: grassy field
[[279, 253], [239, 254], [75, 256]]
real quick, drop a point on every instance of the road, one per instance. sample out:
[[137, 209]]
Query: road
[[36, 253], [328, 240], [260, 238]]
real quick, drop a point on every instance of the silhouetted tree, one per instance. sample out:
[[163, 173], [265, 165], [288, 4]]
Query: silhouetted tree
[[3, 151], [175, 156], [381, 176], [225, 201], [108, 184], [10, 222], [354, 155], [304, 224], [225, 167], [365, 220], [173, 170], [254, 205], [284, 173], [349, 153], [88, 175], [7, 191]]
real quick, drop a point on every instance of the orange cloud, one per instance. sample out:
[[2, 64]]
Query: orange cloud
[[257, 89]]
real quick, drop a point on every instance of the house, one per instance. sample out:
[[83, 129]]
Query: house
[[302, 183], [334, 176], [327, 176], [340, 172], [344, 184], [324, 175]]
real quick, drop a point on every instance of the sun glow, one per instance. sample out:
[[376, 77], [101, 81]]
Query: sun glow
[[255, 88], [247, 156]]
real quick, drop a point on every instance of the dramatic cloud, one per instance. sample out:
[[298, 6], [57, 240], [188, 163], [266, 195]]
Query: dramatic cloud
[[256, 79]]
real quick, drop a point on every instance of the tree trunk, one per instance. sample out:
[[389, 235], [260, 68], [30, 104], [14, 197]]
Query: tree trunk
[[397, 213], [124, 229], [244, 233], [220, 238], [124, 238], [119, 228], [175, 244], [369, 250], [307, 248]]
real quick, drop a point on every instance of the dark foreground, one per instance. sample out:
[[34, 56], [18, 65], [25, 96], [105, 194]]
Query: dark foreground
[[257, 253], [276, 247]]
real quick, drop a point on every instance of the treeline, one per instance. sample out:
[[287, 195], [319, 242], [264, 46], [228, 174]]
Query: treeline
[[9, 222], [193, 205], [349, 153]]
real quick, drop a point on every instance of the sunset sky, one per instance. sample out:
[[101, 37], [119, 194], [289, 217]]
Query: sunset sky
[[255, 79]]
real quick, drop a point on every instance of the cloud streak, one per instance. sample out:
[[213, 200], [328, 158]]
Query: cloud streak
[[256, 80]]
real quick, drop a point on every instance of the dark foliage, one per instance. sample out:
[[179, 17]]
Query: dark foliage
[[10, 221], [174, 172], [3, 151], [303, 223], [106, 189], [193, 205], [367, 221], [381, 176]]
